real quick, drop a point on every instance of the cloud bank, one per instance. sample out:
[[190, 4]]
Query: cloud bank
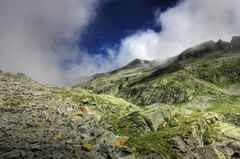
[[39, 38], [189, 23]]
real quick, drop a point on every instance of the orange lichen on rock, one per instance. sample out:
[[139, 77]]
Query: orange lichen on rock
[[120, 141], [87, 146]]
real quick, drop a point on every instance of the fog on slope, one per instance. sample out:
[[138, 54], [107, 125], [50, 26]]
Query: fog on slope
[[39, 38]]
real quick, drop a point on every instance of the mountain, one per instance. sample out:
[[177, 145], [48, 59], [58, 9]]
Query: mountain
[[207, 67], [203, 79], [187, 107]]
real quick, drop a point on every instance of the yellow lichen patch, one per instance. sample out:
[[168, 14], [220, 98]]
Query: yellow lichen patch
[[84, 109], [60, 136], [87, 146], [80, 114], [120, 141]]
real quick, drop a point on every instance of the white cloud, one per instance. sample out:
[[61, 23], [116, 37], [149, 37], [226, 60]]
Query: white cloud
[[185, 25], [37, 36]]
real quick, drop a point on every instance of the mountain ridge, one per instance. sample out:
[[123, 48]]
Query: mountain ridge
[[195, 51], [128, 77]]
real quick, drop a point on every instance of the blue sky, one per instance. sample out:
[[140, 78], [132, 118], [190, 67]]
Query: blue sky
[[58, 42], [117, 19]]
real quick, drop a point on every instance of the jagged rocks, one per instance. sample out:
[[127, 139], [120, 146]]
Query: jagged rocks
[[179, 144], [151, 118], [210, 152], [37, 123]]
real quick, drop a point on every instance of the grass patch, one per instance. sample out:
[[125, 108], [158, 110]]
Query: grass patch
[[227, 105], [153, 142]]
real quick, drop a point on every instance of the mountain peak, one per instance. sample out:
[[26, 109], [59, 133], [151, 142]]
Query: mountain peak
[[136, 62], [211, 47]]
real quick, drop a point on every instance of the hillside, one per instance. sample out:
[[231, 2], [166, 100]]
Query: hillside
[[209, 68], [185, 108], [38, 121], [202, 79]]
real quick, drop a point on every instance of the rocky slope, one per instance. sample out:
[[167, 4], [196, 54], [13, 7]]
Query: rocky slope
[[37, 121], [186, 108]]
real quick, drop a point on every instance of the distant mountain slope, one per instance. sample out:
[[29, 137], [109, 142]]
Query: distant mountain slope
[[207, 69]]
